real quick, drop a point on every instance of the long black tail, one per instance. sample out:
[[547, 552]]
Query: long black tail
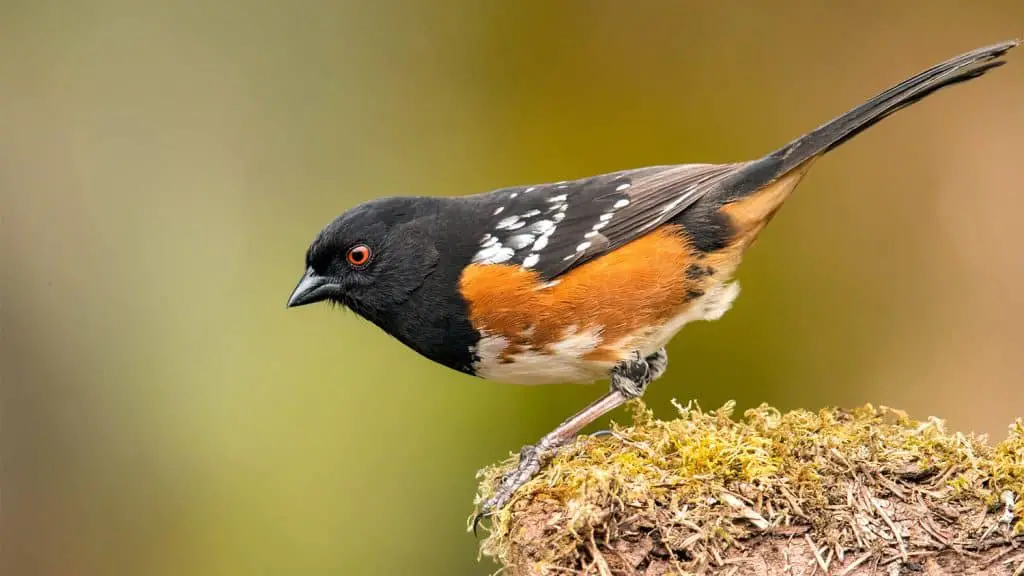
[[960, 69], [840, 129]]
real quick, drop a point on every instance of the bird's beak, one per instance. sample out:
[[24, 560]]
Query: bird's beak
[[312, 288]]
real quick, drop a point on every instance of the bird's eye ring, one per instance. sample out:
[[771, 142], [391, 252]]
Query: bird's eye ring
[[359, 256]]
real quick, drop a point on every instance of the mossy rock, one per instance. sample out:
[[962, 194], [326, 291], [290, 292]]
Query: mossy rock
[[703, 493]]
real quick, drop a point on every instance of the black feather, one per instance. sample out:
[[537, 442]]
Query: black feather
[[579, 220]]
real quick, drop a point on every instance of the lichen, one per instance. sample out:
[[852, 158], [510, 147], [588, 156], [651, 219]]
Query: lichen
[[694, 487]]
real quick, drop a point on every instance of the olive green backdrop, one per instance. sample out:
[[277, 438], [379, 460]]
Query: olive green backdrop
[[163, 166]]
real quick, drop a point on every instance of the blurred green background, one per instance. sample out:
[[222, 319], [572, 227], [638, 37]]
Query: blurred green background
[[165, 164]]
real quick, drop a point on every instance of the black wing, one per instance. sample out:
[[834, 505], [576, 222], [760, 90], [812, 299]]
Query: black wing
[[552, 228]]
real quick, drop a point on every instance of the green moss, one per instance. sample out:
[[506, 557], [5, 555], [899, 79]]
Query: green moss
[[1006, 470], [702, 482]]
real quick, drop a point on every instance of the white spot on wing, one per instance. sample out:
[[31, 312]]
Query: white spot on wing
[[542, 226], [503, 255], [507, 222], [583, 246], [513, 195], [622, 187], [495, 254], [499, 210], [558, 217], [531, 260], [531, 213], [606, 217], [557, 199], [591, 234], [622, 203], [519, 241], [540, 243], [516, 225], [599, 225]]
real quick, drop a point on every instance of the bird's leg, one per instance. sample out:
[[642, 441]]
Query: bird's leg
[[530, 456], [629, 379]]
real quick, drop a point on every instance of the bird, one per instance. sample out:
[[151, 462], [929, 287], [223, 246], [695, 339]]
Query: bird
[[579, 280]]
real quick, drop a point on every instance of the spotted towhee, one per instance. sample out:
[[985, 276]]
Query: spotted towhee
[[578, 280]]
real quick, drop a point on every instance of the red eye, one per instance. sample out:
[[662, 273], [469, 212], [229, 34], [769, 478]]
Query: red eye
[[359, 256]]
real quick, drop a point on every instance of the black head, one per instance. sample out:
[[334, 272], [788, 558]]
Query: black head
[[371, 258]]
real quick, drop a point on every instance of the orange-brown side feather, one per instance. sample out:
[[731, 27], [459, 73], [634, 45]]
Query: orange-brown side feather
[[750, 214], [634, 288]]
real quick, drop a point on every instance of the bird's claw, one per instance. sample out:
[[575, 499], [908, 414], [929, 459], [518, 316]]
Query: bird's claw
[[529, 464], [657, 363]]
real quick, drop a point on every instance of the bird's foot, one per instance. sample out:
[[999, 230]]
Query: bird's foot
[[631, 377], [531, 458], [657, 363]]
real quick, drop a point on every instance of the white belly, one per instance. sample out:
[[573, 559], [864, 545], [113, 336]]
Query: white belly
[[565, 362]]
